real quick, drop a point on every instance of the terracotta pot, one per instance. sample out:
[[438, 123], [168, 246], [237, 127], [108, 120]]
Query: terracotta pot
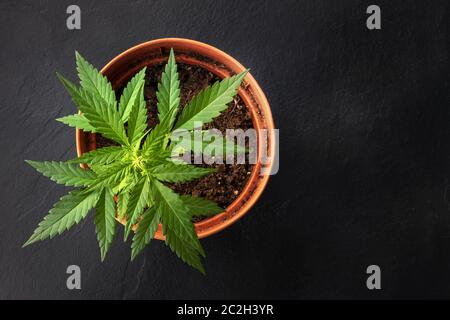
[[120, 70]]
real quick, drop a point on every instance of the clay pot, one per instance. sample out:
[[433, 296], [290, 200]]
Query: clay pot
[[120, 70]]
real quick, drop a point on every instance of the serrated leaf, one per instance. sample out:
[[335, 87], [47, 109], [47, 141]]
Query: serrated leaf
[[209, 103], [130, 94], [96, 103], [64, 173], [207, 143], [145, 231], [136, 203], [92, 80], [104, 155], [136, 145], [71, 88], [174, 215], [137, 121], [198, 206], [128, 181], [105, 119], [110, 175], [159, 135], [105, 222], [115, 170], [184, 250], [168, 93], [122, 203], [123, 196], [69, 210], [170, 172], [77, 121]]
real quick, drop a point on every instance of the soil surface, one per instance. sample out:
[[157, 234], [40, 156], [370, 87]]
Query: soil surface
[[224, 185]]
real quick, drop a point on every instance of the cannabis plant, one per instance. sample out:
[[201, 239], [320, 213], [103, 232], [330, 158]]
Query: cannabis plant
[[129, 181]]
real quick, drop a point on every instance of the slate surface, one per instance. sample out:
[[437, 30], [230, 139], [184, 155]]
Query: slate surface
[[364, 149]]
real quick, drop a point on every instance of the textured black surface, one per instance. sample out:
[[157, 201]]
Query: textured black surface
[[364, 149]]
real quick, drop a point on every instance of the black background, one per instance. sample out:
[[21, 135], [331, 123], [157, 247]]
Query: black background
[[364, 140]]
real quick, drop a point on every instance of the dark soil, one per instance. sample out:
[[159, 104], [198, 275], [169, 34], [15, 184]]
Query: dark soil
[[224, 185]]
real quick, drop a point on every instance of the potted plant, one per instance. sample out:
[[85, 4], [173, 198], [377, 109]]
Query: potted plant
[[126, 146]]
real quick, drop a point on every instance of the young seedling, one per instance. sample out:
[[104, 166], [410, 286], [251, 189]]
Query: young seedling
[[137, 170]]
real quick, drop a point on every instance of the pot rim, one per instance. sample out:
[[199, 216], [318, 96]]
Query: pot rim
[[256, 103]]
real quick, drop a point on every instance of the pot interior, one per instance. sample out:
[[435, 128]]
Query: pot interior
[[122, 68]]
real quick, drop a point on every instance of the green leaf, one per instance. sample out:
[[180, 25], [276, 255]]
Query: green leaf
[[159, 135], [170, 172], [137, 122], [133, 172], [145, 231], [64, 173], [104, 155], [210, 102], [105, 222], [168, 94], [177, 225], [208, 142], [122, 202], [71, 88], [174, 214], [155, 158], [198, 206], [96, 100], [92, 80], [184, 250], [110, 175], [102, 117], [123, 195], [128, 181], [131, 93], [77, 121], [69, 210], [137, 203], [105, 119]]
